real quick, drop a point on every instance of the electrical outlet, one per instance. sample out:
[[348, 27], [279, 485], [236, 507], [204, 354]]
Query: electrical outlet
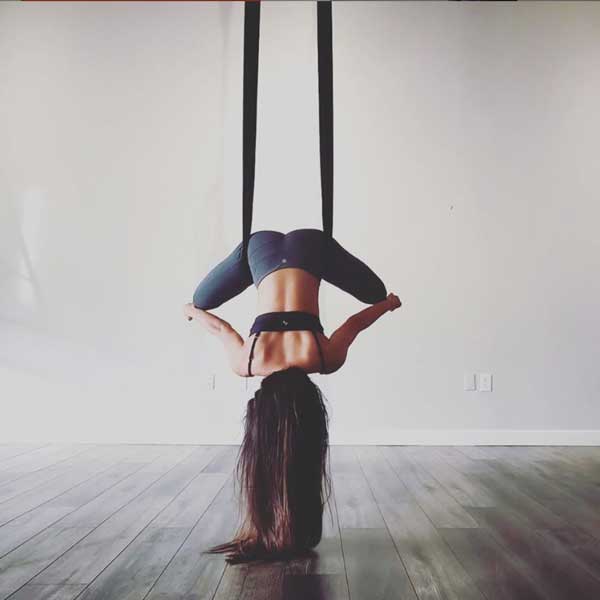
[[485, 382], [469, 382], [211, 381]]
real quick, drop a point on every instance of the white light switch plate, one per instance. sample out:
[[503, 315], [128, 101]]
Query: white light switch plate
[[485, 382], [469, 382]]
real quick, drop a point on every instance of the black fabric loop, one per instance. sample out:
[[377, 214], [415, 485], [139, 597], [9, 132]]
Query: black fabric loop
[[325, 59], [251, 44], [325, 71], [251, 356]]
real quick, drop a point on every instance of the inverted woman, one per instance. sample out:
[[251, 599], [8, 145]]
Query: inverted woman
[[287, 270], [282, 463]]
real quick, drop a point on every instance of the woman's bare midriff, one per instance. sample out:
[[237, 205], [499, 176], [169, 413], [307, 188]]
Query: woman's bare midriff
[[287, 289]]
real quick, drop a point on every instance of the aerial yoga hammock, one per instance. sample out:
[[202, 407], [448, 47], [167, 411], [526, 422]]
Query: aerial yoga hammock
[[314, 251]]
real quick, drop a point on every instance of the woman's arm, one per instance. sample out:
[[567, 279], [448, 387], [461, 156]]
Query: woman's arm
[[231, 339], [342, 338]]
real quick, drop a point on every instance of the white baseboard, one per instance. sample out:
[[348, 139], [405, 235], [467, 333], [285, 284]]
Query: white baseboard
[[469, 437], [372, 437]]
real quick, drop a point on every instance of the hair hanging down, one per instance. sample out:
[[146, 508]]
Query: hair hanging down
[[282, 469]]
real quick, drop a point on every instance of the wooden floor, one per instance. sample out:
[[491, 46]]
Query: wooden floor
[[130, 522]]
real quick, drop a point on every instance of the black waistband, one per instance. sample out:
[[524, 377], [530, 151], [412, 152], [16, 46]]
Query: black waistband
[[293, 320]]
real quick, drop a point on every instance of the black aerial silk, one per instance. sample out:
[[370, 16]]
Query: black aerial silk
[[325, 69]]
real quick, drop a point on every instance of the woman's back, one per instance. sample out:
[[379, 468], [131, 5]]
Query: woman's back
[[287, 290]]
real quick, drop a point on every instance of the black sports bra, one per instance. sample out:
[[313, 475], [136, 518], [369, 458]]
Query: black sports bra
[[286, 321]]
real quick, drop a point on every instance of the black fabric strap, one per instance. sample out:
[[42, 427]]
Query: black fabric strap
[[252, 354], [325, 51], [251, 43], [325, 67]]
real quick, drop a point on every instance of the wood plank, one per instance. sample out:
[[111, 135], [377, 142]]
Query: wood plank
[[464, 489], [436, 502], [462, 463], [264, 582], [21, 565], [83, 562], [29, 524], [91, 509], [373, 564], [48, 592], [582, 546], [232, 582], [383, 480], [69, 479], [36, 479], [431, 565], [224, 461], [343, 460], [355, 503], [313, 586], [356, 506], [374, 568], [509, 497], [579, 480], [523, 486], [18, 567], [490, 566], [473, 452], [578, 462], [134, 571], [189, 505], [40, 458], [12, 450], [555, 570], [191, 573], [516, 464], [561, 497]]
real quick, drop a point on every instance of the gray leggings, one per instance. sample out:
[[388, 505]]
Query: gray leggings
[[269, 251]]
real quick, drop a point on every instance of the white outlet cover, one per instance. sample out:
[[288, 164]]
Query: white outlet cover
[[469, 382], [485, 382]]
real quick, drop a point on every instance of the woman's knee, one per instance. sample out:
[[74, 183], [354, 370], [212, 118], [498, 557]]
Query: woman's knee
[[375, 292]]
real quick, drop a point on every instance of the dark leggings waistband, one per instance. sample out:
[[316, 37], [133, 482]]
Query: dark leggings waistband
[[293, 320]]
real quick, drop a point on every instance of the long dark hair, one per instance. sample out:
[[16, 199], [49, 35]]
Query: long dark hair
[[282, 470]]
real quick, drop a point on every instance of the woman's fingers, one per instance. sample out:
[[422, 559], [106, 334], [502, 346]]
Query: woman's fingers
[[188, 311]]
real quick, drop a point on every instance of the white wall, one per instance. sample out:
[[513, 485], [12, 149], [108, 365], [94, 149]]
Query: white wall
[[466, 156]]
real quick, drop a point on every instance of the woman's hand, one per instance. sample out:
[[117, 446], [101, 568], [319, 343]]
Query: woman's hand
[[393, 302], [190, 311], [233, 342]]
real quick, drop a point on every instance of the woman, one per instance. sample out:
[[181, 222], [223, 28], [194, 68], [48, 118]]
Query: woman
[[283, 459], [287, 270]]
